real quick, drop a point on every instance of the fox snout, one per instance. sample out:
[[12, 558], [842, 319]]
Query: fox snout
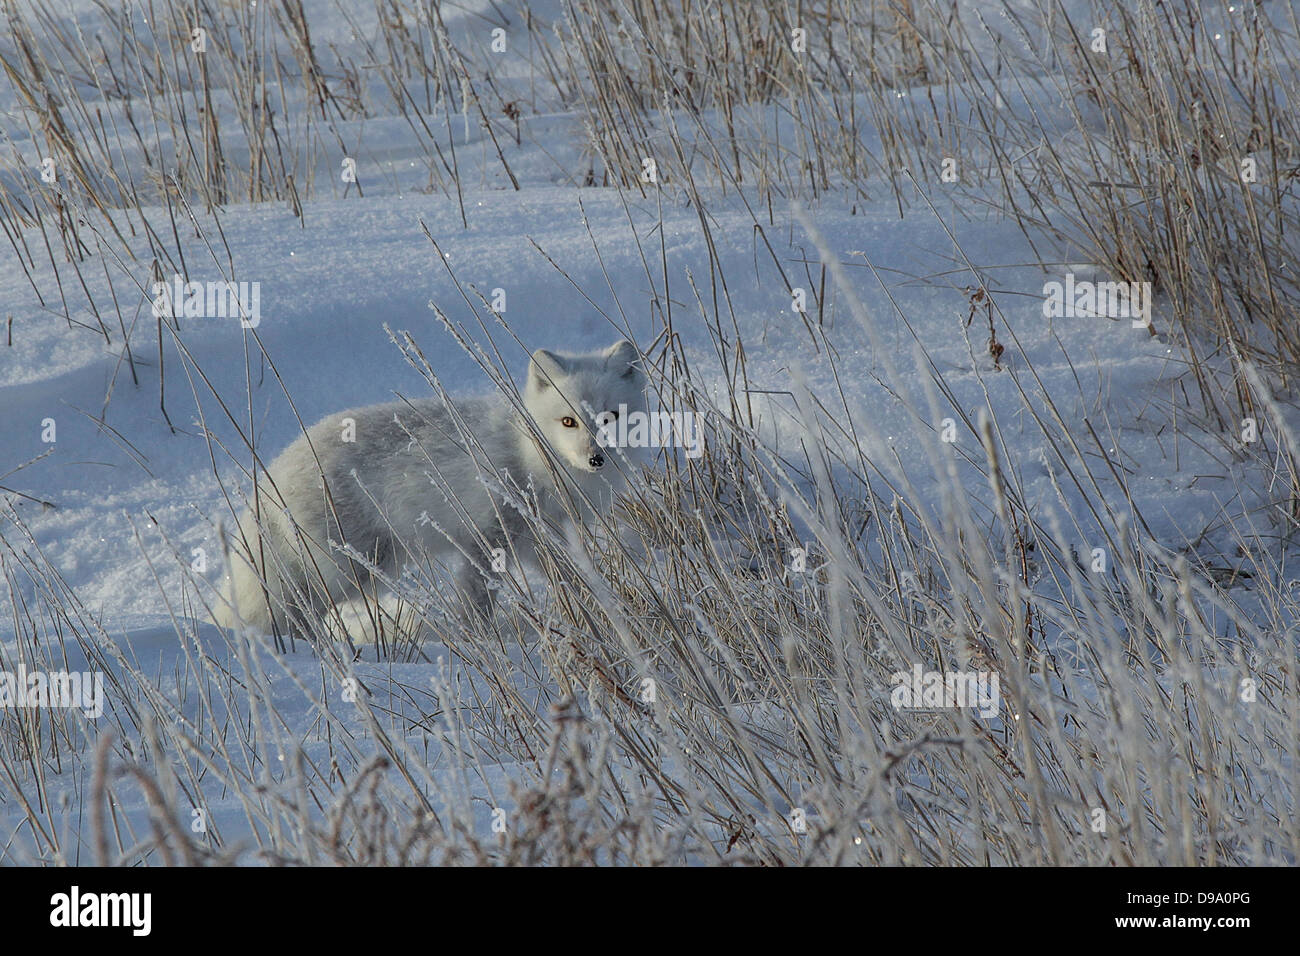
[[596, 460]]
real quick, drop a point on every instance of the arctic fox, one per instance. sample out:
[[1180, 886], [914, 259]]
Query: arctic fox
[[407, 479]]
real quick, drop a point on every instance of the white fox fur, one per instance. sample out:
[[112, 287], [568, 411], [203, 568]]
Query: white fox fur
[[410, 468]]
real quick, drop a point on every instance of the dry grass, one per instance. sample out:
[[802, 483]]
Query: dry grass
[[674, 692]]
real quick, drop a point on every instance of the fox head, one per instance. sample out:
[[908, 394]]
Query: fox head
[[572, 396]]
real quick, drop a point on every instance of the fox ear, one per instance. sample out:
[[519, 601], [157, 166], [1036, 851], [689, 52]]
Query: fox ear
[[543, 368], [622, 355]]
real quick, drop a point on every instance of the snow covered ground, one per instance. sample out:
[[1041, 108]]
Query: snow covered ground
[[106, 456]]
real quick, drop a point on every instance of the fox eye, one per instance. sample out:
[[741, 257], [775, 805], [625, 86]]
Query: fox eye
[[568, 421]]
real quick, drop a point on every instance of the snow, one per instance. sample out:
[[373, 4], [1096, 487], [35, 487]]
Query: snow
[[130, 494]]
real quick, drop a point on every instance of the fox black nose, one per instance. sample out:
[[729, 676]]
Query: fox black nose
[[596, 461]]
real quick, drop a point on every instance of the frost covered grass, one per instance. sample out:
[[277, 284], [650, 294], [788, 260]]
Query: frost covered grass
[[718, 687], [714, 673], [1172, 162]]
